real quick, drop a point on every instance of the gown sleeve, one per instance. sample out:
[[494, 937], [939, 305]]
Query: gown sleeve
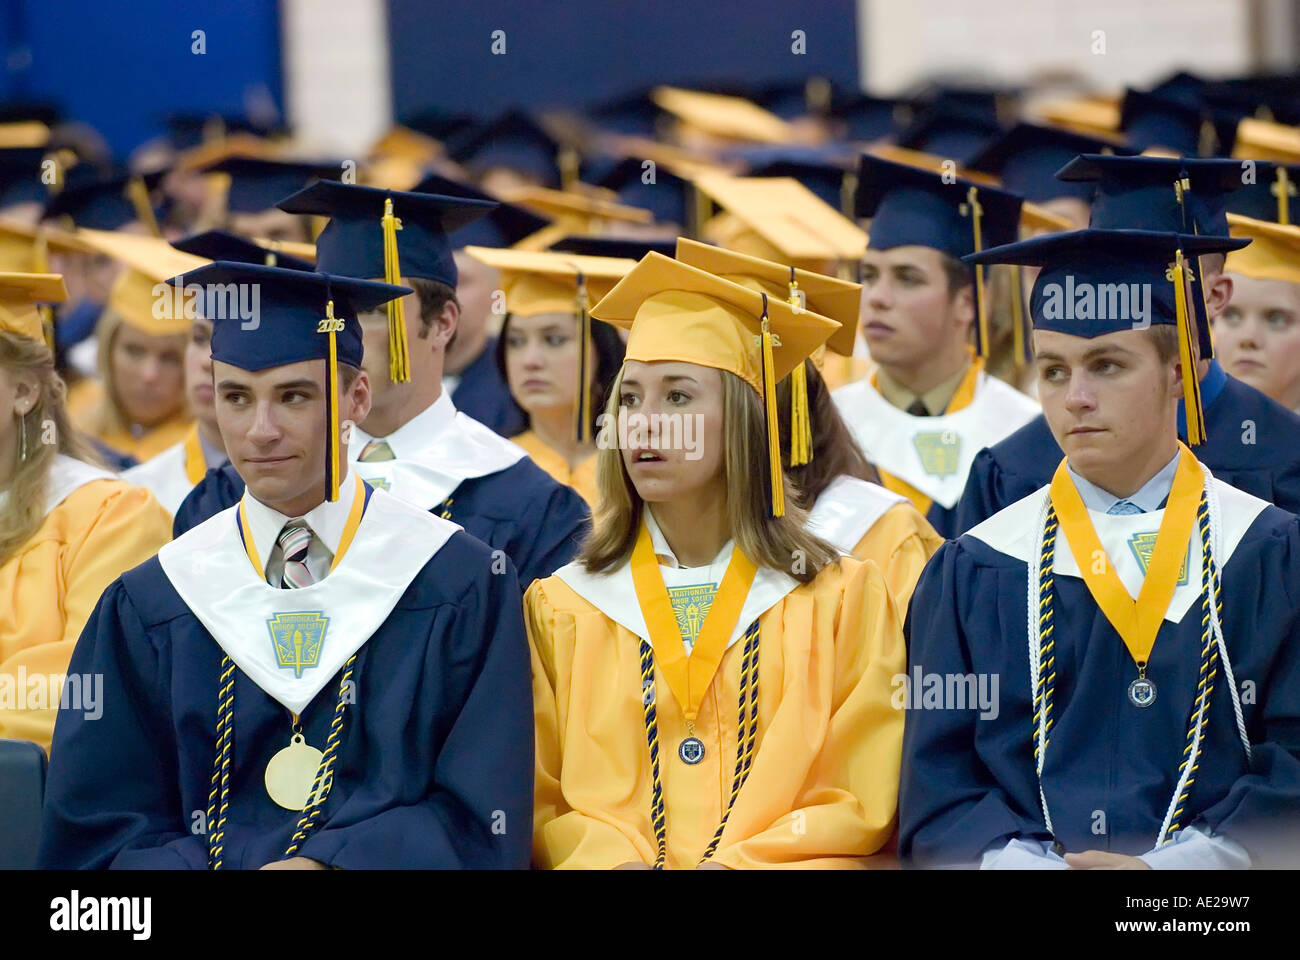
[[901, 542]]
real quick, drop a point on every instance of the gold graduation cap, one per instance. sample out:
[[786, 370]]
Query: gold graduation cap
[[1273, 253], [837, 299], [537, 282], [1091, 116], [778, 218], [294, 248], [149, 262], [1266, 140], [19, 295], [24, 248], [24, 133], [577, 212], [722, 116], [674, 311]]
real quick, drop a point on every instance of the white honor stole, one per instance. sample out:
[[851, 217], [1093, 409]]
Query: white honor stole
[[463, 450], [1128, 540], [847, 509], [933, 454], [292, 642], [68, 475]]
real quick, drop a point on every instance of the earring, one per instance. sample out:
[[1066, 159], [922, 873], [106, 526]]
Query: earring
[[22, 437]]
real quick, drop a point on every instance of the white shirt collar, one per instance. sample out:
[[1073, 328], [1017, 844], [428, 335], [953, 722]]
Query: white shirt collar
[[327, 520], [1153, 493], [664, 553], [415, 434]]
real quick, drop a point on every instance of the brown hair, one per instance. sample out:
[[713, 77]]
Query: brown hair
[[25, 509], [834, 451], [778, 543], [433, 297], [1165, 338]]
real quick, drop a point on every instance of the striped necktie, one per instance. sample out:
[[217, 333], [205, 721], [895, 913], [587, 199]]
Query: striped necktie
[[294, 541], [376, 450]]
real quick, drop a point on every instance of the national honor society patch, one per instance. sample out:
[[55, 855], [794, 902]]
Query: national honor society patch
[[690, 607], [939, 452], [1143, 546], [298, 638]]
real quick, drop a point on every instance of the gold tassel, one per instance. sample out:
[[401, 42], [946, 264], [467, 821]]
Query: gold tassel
[[138, 194], [399, 365], [773, 427], [41, 264], [1187, 354], [1283, 188], [800, 417], [981, 304], [1021, 334], [582, 409], [331, 325]]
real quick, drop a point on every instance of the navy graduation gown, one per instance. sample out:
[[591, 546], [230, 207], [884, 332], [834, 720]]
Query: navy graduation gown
[[521, 510], [435, 763], [483, 394], [1263, 461], [968, 782]]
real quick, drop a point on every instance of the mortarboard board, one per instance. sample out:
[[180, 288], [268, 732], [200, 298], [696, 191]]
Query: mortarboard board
[[258, 183], [513, 140], [646, 184], [149, 261], [1272, 195], [442, 125], [625, 248], [949, 131], [822, 170], [576, 212], [1092, 260], [538, 282], [1091, 116], [634, 114], [301, 315], [1178, 123], [674, 311], [21, 171], [91, 199], [1027, 157], [1273, 254], [220, 245], [504, 225], [1265, 140], [20, 296], [869, 118], [732, 118], [386, 233]]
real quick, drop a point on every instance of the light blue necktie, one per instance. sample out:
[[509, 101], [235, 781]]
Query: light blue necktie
[[1124, 508]]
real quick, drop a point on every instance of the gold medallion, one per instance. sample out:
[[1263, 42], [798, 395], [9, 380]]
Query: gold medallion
[[291, 773]]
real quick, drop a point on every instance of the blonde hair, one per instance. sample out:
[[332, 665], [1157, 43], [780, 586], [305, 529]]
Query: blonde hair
[[778, 543], [108, 416], [25, 508]]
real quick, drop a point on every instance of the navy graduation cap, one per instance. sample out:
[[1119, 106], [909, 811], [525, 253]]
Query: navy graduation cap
[[20, 176], [865, 117], [634, 114], [1177, 120], [514, 140], [392, 234], [628, 248], [1027, 157], [301, 315], [503, 226], [91, 198], [819, 169], [667, 198], [1095, 282], [1272, 196], [909, 206], [220, 245], [949, 130], [256, 184]]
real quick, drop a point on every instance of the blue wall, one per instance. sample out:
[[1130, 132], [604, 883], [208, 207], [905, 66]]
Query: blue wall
[[583, 51], [121, 66]]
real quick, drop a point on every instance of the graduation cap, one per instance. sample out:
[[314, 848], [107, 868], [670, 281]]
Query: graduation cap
[[1027, 157], [257, 183], [634, 114], [973, 100], [538, 282], [20, 176], [910, 206], [513, 140], [949, 131], [1265, 140], [221, 245], [504, 225], [20, 297], [626, 248], [719, 115], [149, 261], [790, 99], [386, 233], [865, 117], [1273, 254], [105, 202], [1178, 123], [674, 311], [24, 248], [1124, 261], [822, 170], [441, 125], [302, 315], [1272, 195], [188, 130], [667, 196]]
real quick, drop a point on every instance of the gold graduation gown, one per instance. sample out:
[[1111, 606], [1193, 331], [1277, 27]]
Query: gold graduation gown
[[901, 542], [50, 585], [150, 442], [822, 789], [581, 478]]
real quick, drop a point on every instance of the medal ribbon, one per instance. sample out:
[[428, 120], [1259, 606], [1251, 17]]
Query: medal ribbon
[[1136, 621], [195, 465], [688, 677], [349, 531]]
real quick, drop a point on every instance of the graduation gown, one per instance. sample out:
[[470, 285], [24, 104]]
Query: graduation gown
[[869, 522], [581, 478], [173, 473], [1250, 444], [483, 394], [926, 459], [434, 764], [518, 509], [1111, 768], [97, 527], [141, 446], [822, 788]]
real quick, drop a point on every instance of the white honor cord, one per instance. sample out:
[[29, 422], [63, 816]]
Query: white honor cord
[[1216, 538], [1034, 573]]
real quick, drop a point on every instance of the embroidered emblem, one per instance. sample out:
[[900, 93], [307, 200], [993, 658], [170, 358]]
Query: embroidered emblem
[[690, 607], [1143, 546], [298, 638], [938, 451], [381, 484]]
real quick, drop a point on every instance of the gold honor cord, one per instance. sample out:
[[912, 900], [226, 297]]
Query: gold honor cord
[[800, 416], [981, 301], [688, 676], [349, 531], [769, 405], [1136, 621], [195, 465], [399, 365]]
